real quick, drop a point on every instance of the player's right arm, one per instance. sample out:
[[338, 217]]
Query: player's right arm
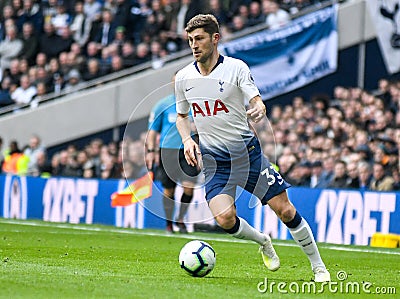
[[191, 148]]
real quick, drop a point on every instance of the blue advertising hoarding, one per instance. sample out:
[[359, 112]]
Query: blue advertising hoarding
[[335, 216]]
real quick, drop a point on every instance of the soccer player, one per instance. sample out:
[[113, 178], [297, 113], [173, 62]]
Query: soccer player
[[168, 155], [217, 89]]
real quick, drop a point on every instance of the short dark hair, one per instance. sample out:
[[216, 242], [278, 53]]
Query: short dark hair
[[208, 22]]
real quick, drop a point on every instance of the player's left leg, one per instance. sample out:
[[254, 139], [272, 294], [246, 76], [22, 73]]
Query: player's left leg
[[301, 233], [223, 208]]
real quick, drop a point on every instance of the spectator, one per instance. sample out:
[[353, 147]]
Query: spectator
[[14, 71], [142, 54], [136, 158], [109, 168], [32, 150], [81, 25], [105, 33], [120, 37], [275, 17], [381, 181], [66, 40], [30, 43], [50, 43], [93, 70], [63, 62], [319, 177], [73, 81], [238, 24], [43, 168], [24, 94], [10, 47], [79, 57], [187, 10], [5, 96], [92, 10], [41, 91], [57, 84], [255, 16], [340, 178], [216, 9], [121, 13], [93, 151], [66, 165], [157, 54], [353, 180], [15, 162], [152, 27], [30, 13], [93, 50], [73, 62], [61, 19], [396, 178], [54, 67], [23, 66], [117, 64], [364, 175], [7, 16], [43, 76], [305, 173], [49, 9], [128, 54], [41, 60], [244, 12], [294, 175], [17, 7]]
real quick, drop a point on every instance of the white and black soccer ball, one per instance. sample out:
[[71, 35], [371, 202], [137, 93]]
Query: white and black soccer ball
[[197, 258]]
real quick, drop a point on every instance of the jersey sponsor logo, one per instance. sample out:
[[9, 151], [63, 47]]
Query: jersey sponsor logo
[[219, 106]]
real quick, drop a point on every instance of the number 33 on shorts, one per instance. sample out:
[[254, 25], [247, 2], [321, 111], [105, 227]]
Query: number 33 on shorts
[[272, 175]]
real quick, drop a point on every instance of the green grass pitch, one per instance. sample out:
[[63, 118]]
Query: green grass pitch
[[47, 260]]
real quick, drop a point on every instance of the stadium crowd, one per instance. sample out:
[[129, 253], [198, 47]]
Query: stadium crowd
[[50, 46], [349, 141]]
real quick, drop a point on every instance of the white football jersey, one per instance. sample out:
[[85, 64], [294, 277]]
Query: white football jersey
[[217, 101]]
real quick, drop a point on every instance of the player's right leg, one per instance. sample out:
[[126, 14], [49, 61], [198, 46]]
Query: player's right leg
[[223, 208]]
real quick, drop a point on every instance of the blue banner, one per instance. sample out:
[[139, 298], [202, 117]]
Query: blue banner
[[335, 216], [292, 56]]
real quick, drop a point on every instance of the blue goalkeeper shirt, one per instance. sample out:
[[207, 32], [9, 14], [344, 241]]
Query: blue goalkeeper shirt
[[162, 119]]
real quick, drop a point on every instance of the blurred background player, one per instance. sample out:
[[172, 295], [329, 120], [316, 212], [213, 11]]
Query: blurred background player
[[164, 150]]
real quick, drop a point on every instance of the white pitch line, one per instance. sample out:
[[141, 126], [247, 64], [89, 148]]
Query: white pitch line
[[188, 236]]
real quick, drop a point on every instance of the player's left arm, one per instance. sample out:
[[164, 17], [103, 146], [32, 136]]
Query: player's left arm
[[257, 109]]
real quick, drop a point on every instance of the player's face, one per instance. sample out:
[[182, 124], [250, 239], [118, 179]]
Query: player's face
[[202, 44]]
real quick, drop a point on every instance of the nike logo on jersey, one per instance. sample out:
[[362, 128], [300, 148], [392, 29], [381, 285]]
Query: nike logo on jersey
[[187, 89]]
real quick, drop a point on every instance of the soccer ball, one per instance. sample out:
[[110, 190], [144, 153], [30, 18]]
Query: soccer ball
[[197, 258]]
